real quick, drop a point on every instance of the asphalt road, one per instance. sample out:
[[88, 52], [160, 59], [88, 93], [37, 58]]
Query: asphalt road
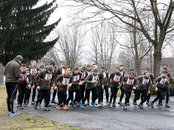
[[107, 118]]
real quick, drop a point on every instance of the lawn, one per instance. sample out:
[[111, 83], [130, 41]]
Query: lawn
[[25, 121]]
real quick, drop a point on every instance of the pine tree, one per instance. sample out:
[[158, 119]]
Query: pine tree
[[23, 29]]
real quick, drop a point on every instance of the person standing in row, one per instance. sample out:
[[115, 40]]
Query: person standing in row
[[129, 85], [62, 82], [22, 85], [53, 65], [12, 75], [84, 74], [143, 88], [74, 88], [121, 85], [33, 71], [44, 83], [92, 81], [161, 82], [105, 83], [115, 80]]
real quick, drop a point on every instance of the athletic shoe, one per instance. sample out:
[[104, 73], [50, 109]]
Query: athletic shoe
[[49, 105], [32, 103], [25, 105], [113, 105], [74, 105], [46, 109], [82, 106], [140, 106], [94, 105], [21, 107], [53, 101], [108, 104], [58, 107], [120, 103], [18, 106], [99, 105], [128, 104], [134, 103], [125, 107], [35, 106], [159, 106], [167, 106], [39, 105], [65, 107], [152, 105], [13, 114], [8, 113]]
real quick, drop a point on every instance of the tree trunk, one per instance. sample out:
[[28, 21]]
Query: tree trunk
[[157, 60], [138, 67]]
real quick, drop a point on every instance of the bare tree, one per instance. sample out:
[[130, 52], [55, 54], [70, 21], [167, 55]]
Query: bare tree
[[70, 44], [103, 44], [51, 55], [128, 10], [138, 46]]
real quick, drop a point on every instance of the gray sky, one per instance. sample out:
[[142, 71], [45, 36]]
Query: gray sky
[[66, 12]]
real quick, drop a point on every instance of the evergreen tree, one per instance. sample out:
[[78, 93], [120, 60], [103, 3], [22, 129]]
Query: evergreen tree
[[23, 29]]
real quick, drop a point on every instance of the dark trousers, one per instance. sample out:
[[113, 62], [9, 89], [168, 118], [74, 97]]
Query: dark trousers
[[128, 94], [82, 91], [33, 93], [143, 94], [27, 95], [94, 94], [62, 96], [159, 96], [43, 94], [21, 90], [54, 94], [114, 91], [107, 93], [148, 97], [166, 92], [100, 93], [11, 89], [122, 93], [71, 95]]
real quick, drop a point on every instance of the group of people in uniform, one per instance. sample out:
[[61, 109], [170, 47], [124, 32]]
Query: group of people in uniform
[[65, 87]]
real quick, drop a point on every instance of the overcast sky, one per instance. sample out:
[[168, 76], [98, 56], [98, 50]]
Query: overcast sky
[[65, 12]]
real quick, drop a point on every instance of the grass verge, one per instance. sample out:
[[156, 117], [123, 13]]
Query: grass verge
[[25, 121]]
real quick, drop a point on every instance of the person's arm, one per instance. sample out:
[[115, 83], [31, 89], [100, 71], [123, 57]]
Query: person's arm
[[17, 71], [89, 79]]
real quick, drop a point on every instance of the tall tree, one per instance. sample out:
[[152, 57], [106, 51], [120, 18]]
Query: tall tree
[[103, 44], [136, 10], [23, 29], [70, 44]]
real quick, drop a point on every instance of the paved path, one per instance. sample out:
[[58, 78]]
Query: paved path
[[112, 118]]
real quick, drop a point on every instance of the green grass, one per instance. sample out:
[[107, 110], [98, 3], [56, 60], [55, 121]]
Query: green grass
[[25, 121]]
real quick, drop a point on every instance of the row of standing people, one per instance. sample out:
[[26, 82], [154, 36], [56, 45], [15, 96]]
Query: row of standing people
[[84, 80], [80, 82]]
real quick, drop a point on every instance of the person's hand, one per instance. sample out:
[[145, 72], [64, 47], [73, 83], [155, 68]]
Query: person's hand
[[94, 81], [38, 87], [134, 88], [69, 86], [102, 86], [29, 86], [148, 92], [156, 89], [55, 87], [33, 86], [81, 82]]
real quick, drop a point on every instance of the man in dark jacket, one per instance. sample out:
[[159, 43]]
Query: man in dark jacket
[[12, 75]]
